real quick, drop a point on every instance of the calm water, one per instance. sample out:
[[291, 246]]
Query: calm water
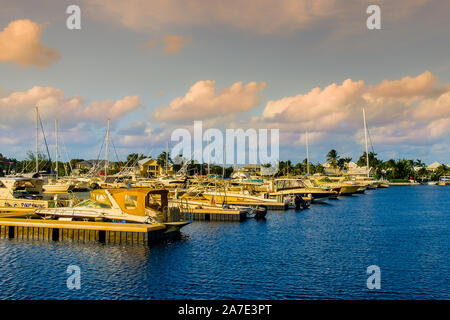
[[319, 253]]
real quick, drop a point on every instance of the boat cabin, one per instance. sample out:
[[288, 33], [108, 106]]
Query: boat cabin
[[20, 187], [130, 201]]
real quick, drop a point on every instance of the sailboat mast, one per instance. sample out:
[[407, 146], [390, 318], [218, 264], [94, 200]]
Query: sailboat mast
[[167, 156], [365, 137], [107, 150], [223, 165], [37, 140], [307, 153], [57, 151]]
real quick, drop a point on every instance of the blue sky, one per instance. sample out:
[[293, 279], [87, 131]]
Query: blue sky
[[106, 60]]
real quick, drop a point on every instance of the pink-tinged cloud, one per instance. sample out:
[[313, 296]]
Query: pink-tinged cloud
[[400, 111], [409, 87], [172, 44], [203, 102], [257, 16], [262, 16], [327, 106], [20, 42], [17, 108]]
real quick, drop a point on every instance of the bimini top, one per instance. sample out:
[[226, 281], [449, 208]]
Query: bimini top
[[132, 201]]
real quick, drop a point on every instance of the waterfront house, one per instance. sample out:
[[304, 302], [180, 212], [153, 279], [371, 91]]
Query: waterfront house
[[433, 166], [149, 167]]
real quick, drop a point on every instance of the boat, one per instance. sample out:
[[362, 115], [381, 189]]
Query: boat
[[138, 205], [338, 184], [288, 187], [195, 198], [383, 184], [368, 182], [58, 186], [26, 192], [80, 183], [444, 181], [408, 183]]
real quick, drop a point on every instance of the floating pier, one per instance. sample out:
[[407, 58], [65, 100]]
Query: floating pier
[[104, 232], [217, 214], [253, 204]]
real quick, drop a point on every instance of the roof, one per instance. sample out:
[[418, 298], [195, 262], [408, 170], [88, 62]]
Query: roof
[[434, 165], [145, 161], [352, 164]]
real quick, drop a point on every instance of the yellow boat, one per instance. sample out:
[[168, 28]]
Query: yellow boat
[[444, 181], [337, 184], [142, 205]]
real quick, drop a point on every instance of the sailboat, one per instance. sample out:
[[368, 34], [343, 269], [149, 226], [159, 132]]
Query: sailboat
[[368, 181], [57, 185], [26, 191]]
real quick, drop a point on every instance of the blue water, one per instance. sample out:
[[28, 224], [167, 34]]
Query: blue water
[[319, 253]]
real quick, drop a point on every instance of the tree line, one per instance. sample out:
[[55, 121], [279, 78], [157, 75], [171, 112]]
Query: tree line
[[392, 169]]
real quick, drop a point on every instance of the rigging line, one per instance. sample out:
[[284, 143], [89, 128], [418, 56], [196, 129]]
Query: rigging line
[[370, 138], [24, 169], [45, 140], [115, 151], [67, 154], [94, 167]]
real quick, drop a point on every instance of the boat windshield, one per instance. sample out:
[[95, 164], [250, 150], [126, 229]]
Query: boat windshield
[[289, 184], [93, 204]]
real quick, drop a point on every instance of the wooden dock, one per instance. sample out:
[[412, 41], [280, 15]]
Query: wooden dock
[[270, 205], [217, 214], [104, 232]]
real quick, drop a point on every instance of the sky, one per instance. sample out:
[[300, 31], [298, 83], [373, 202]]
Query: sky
[[293, 65]]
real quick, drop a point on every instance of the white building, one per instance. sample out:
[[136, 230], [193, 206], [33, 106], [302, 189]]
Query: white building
[[434, 166]]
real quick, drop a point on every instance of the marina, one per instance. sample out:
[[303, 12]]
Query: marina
[[319, 253], [240, 151]]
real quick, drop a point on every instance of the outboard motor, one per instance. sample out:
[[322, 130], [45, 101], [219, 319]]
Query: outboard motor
[[300, 203], [260, 212]]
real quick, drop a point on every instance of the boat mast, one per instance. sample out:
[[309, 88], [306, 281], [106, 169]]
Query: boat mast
[[107, 150], [365, 137], [223, 164], [167, 156], [37, 140], [57, 151], [307, 154]]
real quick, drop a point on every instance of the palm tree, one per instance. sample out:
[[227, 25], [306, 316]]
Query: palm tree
[[419, 163], [164, 159], [341, 162], [332, 158]]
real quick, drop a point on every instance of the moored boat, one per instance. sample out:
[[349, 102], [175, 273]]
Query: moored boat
[[444, 181], [26, 192], [141, 205]]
